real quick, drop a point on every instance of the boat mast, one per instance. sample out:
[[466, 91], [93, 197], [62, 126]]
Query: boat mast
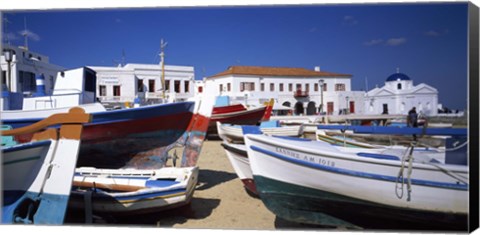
[[25, 33], [162, 63]]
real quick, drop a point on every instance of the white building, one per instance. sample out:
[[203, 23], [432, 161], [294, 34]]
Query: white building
[[399, 95], [143, 81], [303, 90], [20, 67]]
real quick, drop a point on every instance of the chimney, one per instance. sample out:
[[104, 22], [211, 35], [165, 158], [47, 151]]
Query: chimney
[[317, 68]]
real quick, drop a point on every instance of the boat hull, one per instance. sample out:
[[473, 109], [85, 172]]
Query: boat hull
[[237, 155], [37, 176], [167, 194], [234, 133], [311, 206], [245, 117], [298, 182], [136, 137]]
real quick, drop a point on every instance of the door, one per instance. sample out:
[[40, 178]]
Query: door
[[352, 107], [330, 107], [385, 109]]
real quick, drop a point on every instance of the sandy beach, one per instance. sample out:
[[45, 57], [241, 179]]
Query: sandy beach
[[219, 202]]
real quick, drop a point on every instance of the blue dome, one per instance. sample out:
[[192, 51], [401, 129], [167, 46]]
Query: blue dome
[[396, 76]]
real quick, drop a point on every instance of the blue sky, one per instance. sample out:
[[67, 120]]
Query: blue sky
[[428, 42]]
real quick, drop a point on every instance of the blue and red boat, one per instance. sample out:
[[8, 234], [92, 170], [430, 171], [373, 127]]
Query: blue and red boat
[[138, 137]]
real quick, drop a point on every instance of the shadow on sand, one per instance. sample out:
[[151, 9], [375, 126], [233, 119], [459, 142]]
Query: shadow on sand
[[210, 178], [199, 208]]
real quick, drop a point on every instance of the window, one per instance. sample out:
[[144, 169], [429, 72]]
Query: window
[[176, 86], [167, 85], [229, 88], [247, 86], [220, 88], [4, 77], [139, 85], [116, 90], [200, 89], [52, 82], [151, 85], [281, 87], [262, 86], [187, 86], [315, 87], [399, 86], [272, 87], [307, 87], [324, 87], [339, 87], [90, 80], [290, 87], [299, 87], [27, 80], [103, 90]]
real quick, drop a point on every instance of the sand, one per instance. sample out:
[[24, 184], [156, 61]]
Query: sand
[[220, 200]]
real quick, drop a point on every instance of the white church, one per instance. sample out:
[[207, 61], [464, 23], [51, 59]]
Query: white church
[[399, 95]]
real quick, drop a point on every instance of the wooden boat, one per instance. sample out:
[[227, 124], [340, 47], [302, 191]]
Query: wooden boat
[[237, 155], [233, 133], [126, 192], [315, 183], [228, 109], [125, 137], [233, 115], [37, 176]]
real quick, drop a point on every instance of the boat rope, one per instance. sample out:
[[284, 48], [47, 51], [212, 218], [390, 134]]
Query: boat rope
[[460, 178], [408, 156]]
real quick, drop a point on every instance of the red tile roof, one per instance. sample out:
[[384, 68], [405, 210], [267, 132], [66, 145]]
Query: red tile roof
[[276, 72]]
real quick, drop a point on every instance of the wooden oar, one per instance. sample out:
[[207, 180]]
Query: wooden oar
[[115, 187]]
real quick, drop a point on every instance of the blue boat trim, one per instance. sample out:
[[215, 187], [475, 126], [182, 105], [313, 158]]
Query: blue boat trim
[[379, 156], [26, 146], [49, 210], [462, 187], [140, 196]]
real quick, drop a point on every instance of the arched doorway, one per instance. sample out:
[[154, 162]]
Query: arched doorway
[[311, 109], [299, 108], [285, 112]]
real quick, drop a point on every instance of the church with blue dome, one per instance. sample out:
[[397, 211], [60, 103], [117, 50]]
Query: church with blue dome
[[399, 95]]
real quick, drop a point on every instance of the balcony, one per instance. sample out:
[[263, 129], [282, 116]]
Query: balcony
[[300, 93]]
